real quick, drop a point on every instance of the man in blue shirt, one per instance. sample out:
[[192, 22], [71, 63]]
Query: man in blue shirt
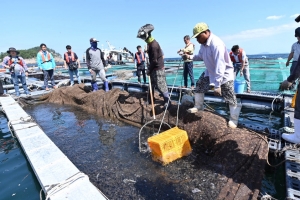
[[46, 62], [140, 58]]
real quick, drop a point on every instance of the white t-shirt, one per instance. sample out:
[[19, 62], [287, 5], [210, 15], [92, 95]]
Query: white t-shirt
[[296, 50], [244, 57]]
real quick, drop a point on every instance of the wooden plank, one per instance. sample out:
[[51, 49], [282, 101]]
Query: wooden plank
[[48, 162]]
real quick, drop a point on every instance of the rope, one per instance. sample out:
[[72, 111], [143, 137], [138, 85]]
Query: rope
[[169, 97], [140, 147]]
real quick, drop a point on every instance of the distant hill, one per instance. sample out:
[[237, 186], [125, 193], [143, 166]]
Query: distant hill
[[31, 53]]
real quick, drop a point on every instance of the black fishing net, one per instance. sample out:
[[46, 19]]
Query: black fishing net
[[225, 163]]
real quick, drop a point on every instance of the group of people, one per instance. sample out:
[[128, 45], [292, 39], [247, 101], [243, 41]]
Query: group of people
[[237, 56], [45, 61], [221, 67]]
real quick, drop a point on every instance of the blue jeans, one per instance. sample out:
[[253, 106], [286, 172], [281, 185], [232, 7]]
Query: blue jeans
[[76, 73], [188, 70], [22, 78]]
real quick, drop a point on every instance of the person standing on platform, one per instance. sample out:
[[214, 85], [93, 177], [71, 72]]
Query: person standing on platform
[[156, 63], [140, 58], [46, 62], [241, 64], [219, 71], [72, 63], [188, 63], [96, 64], [295, 52], [295, 137], [17, 68]]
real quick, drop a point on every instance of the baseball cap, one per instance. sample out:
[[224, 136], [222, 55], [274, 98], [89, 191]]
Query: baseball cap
[[199, 28], [297, 32], [93, 40]]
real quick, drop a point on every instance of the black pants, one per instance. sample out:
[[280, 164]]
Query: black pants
[[138, 73], [1, 88], [188, 70], [297, 105]]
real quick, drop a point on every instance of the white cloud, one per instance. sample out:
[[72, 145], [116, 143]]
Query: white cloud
[[294, 16], [275, 17], [261, 32]]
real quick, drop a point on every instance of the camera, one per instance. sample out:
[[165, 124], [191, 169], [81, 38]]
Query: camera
[[297, 19], [12, 68]]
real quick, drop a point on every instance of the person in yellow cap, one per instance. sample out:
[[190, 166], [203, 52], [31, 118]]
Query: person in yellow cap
[[219, 71]]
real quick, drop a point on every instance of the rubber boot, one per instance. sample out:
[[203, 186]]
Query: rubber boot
[[94, 87], [106, 86], [234, 115], [17, 91], [199, 101], [294, 137]]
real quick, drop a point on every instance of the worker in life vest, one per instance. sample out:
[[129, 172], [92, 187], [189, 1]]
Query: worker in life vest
[[295, 137], [156, 68], [46, 62], [188, 63], [140, 58], [17, 68], [72, 63], [241, 64]]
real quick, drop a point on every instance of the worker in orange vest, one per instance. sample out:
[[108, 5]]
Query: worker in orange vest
[[18, 69], [140, 58], [241, 64], [46, 62], [72, 63]]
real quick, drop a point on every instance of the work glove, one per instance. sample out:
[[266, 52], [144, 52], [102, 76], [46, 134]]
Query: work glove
[[218, 92], [285, 85]]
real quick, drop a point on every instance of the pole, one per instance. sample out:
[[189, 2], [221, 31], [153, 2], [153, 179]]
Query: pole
[[151, 96]]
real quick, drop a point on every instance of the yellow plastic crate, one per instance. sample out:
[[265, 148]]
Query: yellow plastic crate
[[169, 145]]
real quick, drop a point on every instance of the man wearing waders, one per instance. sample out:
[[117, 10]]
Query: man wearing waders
[[17, 68], [295, 137], [188, 63], [219, 72], [96, 64], [140, 58], [156, 67]]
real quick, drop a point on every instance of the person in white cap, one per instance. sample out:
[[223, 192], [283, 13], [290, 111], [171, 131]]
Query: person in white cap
[[219, 72]]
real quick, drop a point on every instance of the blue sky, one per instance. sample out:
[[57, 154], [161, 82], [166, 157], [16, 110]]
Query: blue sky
[[257, 26]]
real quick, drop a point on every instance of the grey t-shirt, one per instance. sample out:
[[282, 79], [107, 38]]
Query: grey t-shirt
[[17, 67], [95, 61]]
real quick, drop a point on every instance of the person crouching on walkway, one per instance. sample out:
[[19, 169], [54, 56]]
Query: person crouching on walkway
[[188, 64], [17, 68], [72, 63], [46, 62], [96, 64], [240, 64], [219, 71], [139, 59], [295, 137], [156, 63]]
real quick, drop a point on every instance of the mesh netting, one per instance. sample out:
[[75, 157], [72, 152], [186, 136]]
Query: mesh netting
[[238, 155]]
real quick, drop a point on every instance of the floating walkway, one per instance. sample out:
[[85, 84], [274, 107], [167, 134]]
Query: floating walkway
[[58, 176]]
